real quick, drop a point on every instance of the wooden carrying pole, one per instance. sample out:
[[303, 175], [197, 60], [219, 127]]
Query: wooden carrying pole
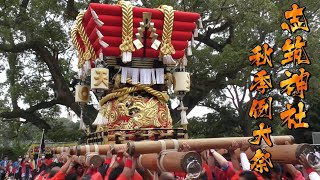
[[284, 154], [70, 150], [147, 147], [94, 160], [169, 161], [100, 149]]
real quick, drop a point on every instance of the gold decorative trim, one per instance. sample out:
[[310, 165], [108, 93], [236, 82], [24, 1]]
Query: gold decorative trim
[[167, 47], [127, 26], [76, 44], [89, 52], [163, 97]]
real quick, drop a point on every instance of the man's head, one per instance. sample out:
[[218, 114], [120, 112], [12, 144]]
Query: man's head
[[6, 158], [166, 176], [79, 169], [248, 175], [19, 158], [54, 171], [115, 173]]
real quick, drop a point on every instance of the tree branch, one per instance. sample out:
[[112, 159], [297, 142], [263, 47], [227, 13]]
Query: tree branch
[[233, 98], [18, 47], [30, 117], [24, 4], [206, 39], [71, 11], [245, 91], [211, 43], [43, 105], [237, 95]]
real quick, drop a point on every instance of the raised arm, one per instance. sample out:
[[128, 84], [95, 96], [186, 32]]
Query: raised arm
[[66, 166], [234, 158], [243, 157], [311, 172]]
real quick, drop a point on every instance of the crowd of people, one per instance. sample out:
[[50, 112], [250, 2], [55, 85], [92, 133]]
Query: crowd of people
[[24, 167], [122, 166]]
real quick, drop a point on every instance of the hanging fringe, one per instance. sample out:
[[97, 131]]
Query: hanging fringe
[[189, 51], [101, 55], [167, 59], [82, 124], [192, 41], [87, 68], [200, 24], [184, 120], [124, 74], [96, 18], [126, 57], [103, 44], [100, 120], [160, 75], [99, 34], [196, 32], [153, 77], [184, 61], [135, 75]]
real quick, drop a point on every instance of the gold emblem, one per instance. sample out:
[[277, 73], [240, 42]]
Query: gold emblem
[[84, 93], [101, 77], [142, 113]]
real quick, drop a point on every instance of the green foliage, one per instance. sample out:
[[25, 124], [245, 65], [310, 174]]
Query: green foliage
[[63, 130]]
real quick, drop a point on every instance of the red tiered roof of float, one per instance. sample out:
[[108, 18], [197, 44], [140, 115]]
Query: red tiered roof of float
[[111, 16]]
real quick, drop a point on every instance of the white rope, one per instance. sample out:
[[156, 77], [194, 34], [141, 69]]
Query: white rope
[[139, 162], [87, 148], [163, 145], [96, 148], [161, 163], [176, 144]]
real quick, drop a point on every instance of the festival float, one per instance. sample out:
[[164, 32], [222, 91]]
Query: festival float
[[130, 58]]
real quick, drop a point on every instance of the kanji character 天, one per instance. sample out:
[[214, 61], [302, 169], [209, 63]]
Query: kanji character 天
[[261, 133], [295, 52], [296, 84], [261, 81], [296, 18], [291, 116], [261, 161], [261, 59], [260, 108], [101, 77]]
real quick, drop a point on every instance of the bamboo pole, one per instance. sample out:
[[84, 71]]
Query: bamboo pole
[[169, 161], [147, 147], [284, 154], [100, 149]]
